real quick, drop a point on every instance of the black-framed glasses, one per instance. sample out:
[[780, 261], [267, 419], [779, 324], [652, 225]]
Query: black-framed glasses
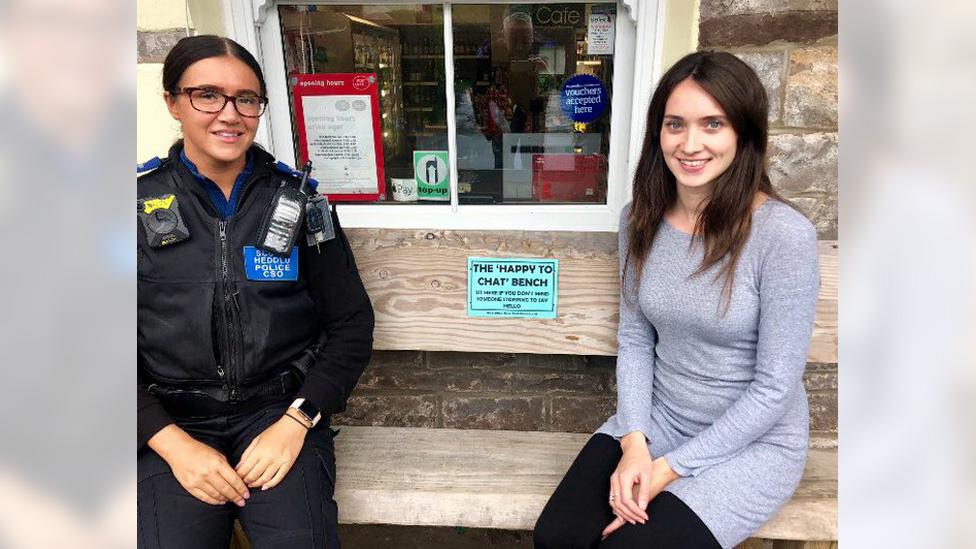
[[212, 101]]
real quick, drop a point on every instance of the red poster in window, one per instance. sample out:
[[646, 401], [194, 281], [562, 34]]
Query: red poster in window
[[338, 118]]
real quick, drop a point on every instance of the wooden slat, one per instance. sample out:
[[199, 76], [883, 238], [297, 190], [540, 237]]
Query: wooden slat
[[812, 513], [417, 281], [502, 479], [823, 344]]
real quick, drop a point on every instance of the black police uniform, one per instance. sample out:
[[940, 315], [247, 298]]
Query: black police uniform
[[223, 351]]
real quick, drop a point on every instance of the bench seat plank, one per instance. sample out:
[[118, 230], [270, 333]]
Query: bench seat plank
[[502, 479]]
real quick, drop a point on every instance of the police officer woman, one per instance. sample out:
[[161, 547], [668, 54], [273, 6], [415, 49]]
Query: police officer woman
[[243, 354]]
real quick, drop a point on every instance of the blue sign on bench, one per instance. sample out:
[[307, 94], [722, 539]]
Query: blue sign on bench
[[522, 288]]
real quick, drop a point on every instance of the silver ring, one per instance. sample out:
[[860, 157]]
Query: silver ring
[[612, 497]]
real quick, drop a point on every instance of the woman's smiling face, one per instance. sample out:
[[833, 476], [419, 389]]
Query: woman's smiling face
[[697, 140], [223, 137]]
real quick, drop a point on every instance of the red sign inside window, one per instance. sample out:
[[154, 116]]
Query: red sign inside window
[[338, 119]]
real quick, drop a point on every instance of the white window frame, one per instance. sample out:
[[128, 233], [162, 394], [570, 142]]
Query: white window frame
[[638, 44]]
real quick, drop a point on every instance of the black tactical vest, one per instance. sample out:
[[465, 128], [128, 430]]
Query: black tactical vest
[[202, 323]]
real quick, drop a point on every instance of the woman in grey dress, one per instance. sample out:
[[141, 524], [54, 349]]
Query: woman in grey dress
[[719, 283]]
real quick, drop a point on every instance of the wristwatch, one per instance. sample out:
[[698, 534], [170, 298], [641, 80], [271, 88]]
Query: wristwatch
[[307, 411]]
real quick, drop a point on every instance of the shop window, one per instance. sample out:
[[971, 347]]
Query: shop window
[[533, 102], [404, 47], [531, 86]]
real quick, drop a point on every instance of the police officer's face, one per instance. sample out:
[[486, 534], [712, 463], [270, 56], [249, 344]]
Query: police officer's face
[[223, 137]]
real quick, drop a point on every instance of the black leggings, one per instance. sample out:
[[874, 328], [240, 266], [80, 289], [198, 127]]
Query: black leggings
[[578, 511]]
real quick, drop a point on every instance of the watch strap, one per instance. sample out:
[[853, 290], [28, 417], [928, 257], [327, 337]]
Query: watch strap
[[307, 410]]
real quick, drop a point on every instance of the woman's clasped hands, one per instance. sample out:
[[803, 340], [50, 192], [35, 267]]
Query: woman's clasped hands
[[199, 468], [205, 473], [637, 480], [271, 454]]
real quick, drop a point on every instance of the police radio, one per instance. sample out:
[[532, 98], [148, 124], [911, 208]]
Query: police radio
[[283, 218]]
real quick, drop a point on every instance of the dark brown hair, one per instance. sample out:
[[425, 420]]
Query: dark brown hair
[[191, 49], [724, 224]]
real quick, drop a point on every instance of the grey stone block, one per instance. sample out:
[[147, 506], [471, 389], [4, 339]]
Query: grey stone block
[[519, 413], [389, 410], [716, 8], [554, 362], [811, 88], [820, 381], [803, 164], [804, 169], [451, 359], [405, 359], [821, 211], [597, 362], [757, 29], [580, 414], [823, 411], [507, 381], [770, 66], [399, 377], [152, 46]]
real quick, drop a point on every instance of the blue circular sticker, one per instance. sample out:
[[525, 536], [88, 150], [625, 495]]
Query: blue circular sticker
[[583, 98]]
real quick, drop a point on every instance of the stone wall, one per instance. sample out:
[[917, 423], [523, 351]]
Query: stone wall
[[520, 392], [792, 45]]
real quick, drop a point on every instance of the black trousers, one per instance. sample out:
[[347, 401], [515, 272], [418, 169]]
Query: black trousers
[[578, 510], [298, 512]]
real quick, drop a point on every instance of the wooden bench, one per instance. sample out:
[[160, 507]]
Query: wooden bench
[[502, 479]]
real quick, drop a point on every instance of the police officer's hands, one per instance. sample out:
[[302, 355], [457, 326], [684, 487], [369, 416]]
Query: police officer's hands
[[271, 454], [200, 469]]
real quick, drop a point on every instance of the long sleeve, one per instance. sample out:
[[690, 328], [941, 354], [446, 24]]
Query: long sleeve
[[635, 350], [788, 286], [346, 317], [150, 414]]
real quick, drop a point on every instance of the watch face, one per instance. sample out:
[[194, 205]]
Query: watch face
[[309, 410]]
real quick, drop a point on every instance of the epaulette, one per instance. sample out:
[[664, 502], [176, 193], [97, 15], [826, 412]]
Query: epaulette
[[150, 164], [283, 168]]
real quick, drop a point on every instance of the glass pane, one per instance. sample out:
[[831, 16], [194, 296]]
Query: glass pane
[[533, 88], [404, 47]]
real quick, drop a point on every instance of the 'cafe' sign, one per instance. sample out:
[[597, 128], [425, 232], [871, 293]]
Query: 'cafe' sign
[[550, 16]]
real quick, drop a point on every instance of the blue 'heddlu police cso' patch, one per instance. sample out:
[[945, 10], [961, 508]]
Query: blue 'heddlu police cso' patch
[[261, 265]]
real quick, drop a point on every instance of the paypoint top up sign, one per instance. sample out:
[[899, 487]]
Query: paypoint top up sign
[[430, 170], [525, 288]]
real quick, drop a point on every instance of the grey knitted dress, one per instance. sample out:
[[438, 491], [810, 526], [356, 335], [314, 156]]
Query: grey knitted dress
[[722, 397]]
